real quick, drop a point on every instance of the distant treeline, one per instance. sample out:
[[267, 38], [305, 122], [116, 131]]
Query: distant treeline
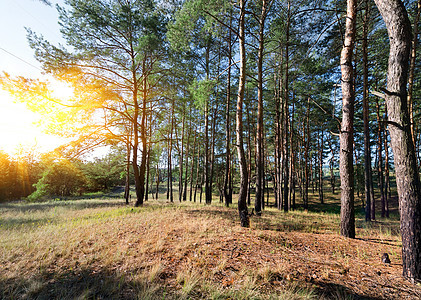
[[34, 176]]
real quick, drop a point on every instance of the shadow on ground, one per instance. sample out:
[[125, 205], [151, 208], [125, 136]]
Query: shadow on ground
[[80, 284], [93, 283]]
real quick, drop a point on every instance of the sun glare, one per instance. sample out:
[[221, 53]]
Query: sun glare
[[18, 125]]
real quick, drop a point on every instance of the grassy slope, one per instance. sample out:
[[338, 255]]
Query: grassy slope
[[103, 249]]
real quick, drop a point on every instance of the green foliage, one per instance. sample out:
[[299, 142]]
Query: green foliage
[[62, 178], [104, 173], [201, 91], [195, 21]]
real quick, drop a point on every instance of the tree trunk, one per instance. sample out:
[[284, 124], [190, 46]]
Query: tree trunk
[[386, 174], [147, 174], [321, 168], [259, 138], [286, 199], [197, 174], [208, 192], [157, 181], [242, 196], [347, 130], [139, 194], [249, 155], [212, 154], [407, 177], [412, 73], [331, 164], [379, 165], [142, 169], [306, 154], [148, 161], [367, 152], [291, 158], [192, 167], [187, 161], [180, 162], [128, 154], [227, 193], [170, 185]]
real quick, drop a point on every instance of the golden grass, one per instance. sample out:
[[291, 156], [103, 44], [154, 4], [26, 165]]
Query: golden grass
[[104, 249]]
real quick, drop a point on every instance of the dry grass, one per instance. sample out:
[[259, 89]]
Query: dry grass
[[103, 249]]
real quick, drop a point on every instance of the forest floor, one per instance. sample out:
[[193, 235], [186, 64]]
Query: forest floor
[[102, 249]]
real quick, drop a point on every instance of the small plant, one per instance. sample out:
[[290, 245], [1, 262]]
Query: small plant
[[155, 271], [189, 279]]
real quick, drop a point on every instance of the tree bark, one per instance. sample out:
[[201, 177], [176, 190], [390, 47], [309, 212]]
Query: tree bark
[[128, 154], [208, 191], [136, 173], [286, 199], [379, 165], [242, 196], [306, 157], [226, 191], [140, 186], [180, 162], [157, 181], [386, 174], [192, 167], [259, 138], [187, 161], [347, 130], [367, 152], [170, 193], [407, 177], [412, 72]]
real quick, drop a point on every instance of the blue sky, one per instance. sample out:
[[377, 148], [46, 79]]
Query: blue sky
[[15, 15]]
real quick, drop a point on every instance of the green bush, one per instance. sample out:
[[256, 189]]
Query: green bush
[[62, 178]]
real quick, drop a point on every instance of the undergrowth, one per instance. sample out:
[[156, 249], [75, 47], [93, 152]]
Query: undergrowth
[[104, 249]]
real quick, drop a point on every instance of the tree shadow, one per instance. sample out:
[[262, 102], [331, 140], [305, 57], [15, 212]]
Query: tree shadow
[[337, 291], [76, 204], [84, 283], [102, 283]]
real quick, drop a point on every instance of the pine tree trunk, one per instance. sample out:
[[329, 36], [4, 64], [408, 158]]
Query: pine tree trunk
[[140, 186], [148, 161], [286, 199], [407, 177], [347, 130], [170, 185], [331, 164], [259, 138], [227, 193], [291, 157], [367, 152], [242, 196], [321, 168], [192, 167], [379, 165], [157, 181], [208, 196], [212, 154], [187, 161], [128, 154], [249, 155], [197, 174], [306, 158], [412, 72], [386, 174]]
